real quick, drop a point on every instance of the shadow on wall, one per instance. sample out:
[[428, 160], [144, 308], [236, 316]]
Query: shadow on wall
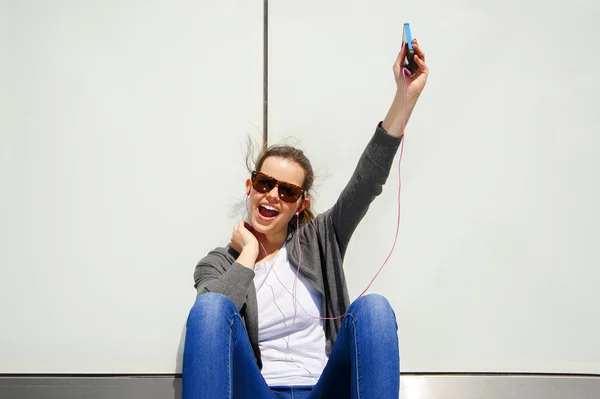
[[177, 388]]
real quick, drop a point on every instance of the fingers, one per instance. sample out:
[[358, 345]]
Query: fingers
[[241, 226], [237, 226], [420, 58], [401, 55], [421, 64], [418, 51]]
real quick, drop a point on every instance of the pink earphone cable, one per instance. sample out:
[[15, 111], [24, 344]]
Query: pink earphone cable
[[405, 72]]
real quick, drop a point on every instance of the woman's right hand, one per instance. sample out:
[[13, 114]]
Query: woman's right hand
[[246, 244]]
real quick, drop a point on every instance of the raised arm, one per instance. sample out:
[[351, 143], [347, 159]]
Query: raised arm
[[374, 165]]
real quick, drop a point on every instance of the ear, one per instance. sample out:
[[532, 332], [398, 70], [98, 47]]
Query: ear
[[248, 186], [303, 205]]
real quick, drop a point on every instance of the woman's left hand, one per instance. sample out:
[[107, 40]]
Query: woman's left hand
[[407, 93], [415, 83]]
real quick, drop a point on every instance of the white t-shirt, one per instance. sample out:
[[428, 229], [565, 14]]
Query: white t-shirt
[[293, 353]]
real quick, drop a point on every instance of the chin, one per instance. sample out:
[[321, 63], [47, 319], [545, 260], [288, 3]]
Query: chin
[[267, 227], [263, 227]]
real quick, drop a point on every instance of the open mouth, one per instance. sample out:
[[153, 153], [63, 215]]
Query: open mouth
[[267, 211]]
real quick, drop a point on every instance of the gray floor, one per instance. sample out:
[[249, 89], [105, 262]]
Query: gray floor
[[412, 387]]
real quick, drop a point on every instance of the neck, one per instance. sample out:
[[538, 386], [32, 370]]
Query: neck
[[271, 243]]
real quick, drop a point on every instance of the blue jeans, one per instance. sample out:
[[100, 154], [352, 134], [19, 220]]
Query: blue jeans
[[218, 361]]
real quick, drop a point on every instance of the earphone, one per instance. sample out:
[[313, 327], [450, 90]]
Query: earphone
[[405, 72]]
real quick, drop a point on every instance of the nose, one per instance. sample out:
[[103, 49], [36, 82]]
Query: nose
[[274, 193]]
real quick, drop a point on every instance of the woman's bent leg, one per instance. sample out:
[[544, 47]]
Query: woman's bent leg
[[365, 360], [218, 361]]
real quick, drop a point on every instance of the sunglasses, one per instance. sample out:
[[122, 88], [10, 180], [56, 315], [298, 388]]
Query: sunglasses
[[264, 183]]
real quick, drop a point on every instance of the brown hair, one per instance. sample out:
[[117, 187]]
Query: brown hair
[[293, 154]]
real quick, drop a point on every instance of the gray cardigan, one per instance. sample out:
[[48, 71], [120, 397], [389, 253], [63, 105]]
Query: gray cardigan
[[323, 243]]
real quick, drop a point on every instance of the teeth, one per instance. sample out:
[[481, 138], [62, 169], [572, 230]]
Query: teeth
[[269, 207]]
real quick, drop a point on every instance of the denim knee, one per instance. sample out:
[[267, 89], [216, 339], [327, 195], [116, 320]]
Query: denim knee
[[210, 307], [374, 309]]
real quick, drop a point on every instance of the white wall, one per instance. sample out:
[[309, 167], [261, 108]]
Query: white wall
[[121, 151], [497, 263], [116, 113]]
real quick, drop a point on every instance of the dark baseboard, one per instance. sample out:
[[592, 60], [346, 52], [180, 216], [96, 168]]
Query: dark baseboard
[[413, 386]]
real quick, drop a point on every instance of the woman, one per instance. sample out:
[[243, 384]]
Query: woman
[[273, 318]]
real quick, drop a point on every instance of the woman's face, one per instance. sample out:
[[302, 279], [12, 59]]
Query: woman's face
[[267, 212]]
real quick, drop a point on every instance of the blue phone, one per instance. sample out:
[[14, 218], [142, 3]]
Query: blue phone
[[409, 61]]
